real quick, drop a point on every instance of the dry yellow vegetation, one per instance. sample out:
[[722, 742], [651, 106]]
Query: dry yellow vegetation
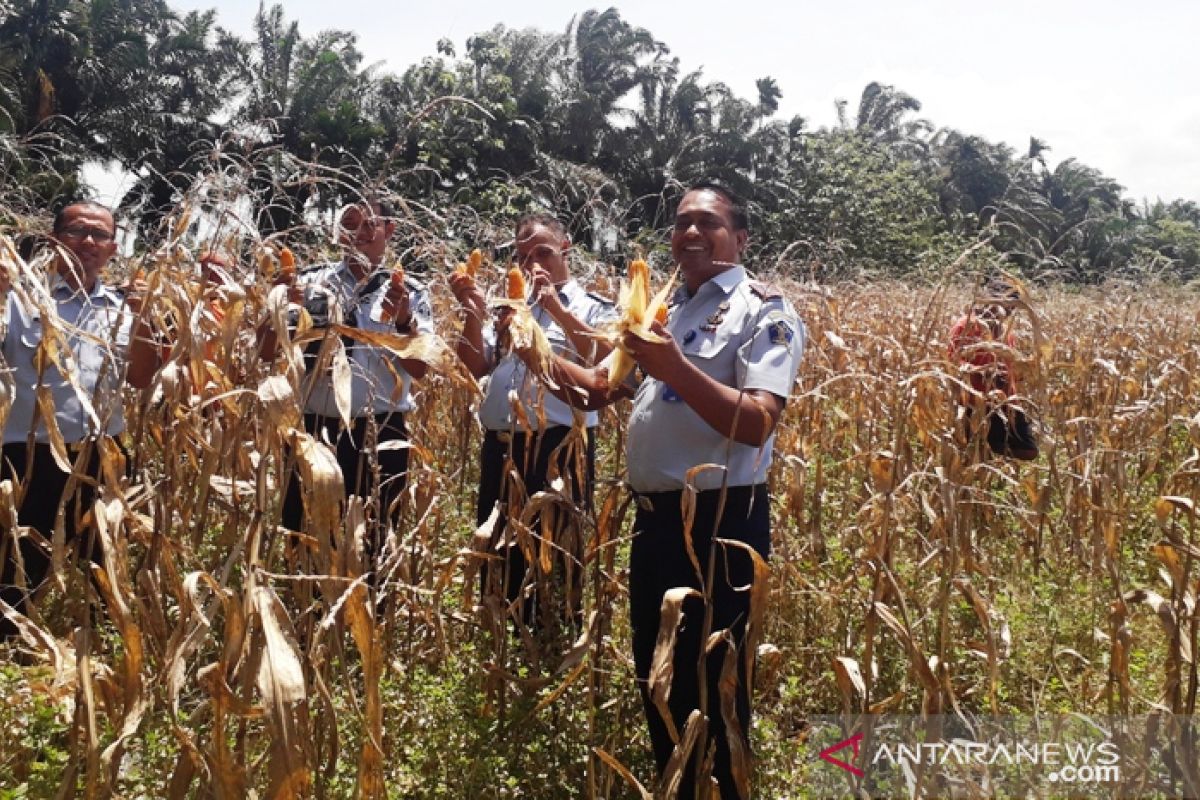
[[218, 653]]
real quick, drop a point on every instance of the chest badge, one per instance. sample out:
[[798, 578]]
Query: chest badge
[[714, 321], [669, 395], [689, 337]]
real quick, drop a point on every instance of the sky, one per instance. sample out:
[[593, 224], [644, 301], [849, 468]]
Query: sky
[[1109, 82]]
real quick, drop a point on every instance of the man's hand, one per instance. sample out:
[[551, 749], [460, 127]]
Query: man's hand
[[659, 360], [135, 294], [545, 293], [397, 305], [468, 294], [295, 290]]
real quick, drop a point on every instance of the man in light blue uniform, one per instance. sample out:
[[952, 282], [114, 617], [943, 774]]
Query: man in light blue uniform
[[358, 292], [96, 324], [712, 393], [569, 316]]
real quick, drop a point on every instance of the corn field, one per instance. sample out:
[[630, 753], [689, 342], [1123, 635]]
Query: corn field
[[217, 654]]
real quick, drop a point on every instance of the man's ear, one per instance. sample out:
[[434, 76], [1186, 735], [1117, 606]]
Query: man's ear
[[741, 237], [566, 244], [389, 228]]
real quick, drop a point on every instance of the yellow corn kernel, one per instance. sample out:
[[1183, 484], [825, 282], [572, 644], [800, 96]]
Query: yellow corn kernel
[[660, 316], [474, 262]]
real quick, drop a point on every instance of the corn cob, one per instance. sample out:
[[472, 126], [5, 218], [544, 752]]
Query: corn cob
[[639, 311], [660, 316], [287, 265], [396, 281], [635, 294], [471, 267], [515, 289]]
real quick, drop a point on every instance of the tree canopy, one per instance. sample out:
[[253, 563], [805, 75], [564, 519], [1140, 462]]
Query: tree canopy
[[597, 123]]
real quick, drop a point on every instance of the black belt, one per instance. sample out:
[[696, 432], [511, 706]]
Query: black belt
[[382, 416], [646, 501], [506, 437]]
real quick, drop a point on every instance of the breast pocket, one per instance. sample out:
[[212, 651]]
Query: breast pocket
[[705, 344], [713, 352]]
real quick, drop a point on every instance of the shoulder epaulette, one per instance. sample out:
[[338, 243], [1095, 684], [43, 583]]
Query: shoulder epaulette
[[310, 269], [765, 291], [599, 298], [412, 284]]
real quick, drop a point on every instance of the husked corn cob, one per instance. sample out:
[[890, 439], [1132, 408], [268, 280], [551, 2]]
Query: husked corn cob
[[634, 297], [638, 312], [660, 316], [471, 267], [396, 281], [287, 265], [515, 289]]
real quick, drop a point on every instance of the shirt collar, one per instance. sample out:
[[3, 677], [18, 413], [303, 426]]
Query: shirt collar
[[725, 282], [570, 291], [61, 291]]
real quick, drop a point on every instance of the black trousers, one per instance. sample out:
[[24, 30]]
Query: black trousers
[[530, 456], [658, 562], [45, 485], [1008, 432], [356, 453]]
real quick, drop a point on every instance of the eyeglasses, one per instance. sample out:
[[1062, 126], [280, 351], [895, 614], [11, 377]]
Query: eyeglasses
[[98, 235]]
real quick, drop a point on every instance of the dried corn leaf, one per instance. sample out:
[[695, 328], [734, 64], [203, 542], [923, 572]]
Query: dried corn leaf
[[662, 665], [280, 681], [760, 591], [622, 770], [849, 680], [735, 735], [695, 729]]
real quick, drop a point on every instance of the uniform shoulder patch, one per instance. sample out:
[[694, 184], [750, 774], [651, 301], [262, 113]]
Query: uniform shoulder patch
[[765, 291], [779, 332], [601, 299]]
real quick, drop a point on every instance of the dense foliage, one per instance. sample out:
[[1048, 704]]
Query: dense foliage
[[600, 120]]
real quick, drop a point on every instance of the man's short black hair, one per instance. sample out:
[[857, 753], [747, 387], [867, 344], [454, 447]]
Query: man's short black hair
[[737, 206], [60, 219], [543, 218], [386, 208]]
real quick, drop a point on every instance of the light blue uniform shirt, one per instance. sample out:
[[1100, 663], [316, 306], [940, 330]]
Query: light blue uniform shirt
[[96, 329], [373, 381], [737, 336], [511, 374]]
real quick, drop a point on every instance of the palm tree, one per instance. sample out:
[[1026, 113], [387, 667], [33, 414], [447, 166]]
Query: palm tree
[[882, 116], [308, 101]]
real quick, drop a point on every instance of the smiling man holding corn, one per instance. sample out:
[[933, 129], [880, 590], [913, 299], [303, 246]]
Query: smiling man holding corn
[[714, 381]]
